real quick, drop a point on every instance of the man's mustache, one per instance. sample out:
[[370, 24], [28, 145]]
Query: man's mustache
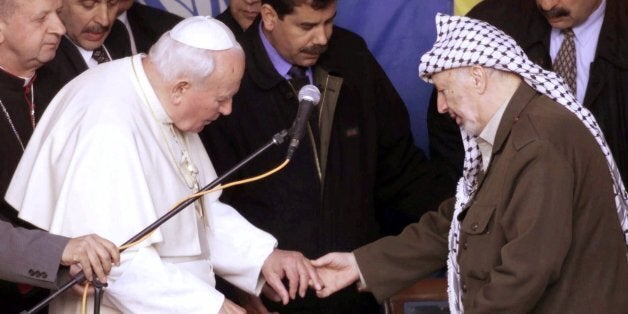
[[554, 13], [96, 28], [315, 49]]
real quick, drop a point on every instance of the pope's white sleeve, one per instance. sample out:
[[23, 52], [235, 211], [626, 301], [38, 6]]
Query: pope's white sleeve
[[144, 283], [238, 249]]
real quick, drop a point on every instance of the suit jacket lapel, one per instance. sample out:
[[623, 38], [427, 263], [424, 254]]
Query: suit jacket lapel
[[520, 99], [330, 90], [118, 42], [68, 51], [611, 47]]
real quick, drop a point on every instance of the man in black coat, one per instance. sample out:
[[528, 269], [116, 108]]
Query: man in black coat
[[356, 168], [240, 15], [87, 27], [605, 95], [144, 25]]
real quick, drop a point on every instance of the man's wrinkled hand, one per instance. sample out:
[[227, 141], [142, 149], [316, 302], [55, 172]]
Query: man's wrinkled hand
[[293, 266], [337, 271], [93, 253]]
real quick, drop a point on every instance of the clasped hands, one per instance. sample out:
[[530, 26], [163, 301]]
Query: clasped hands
[[325, 275]]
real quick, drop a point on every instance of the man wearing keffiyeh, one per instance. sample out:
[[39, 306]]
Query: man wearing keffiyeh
[[540, 214]]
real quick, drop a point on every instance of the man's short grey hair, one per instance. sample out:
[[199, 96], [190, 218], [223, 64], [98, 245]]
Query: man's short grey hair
[[174, 60]]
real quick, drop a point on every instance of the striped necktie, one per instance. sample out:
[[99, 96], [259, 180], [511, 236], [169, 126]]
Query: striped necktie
[[565, 62]]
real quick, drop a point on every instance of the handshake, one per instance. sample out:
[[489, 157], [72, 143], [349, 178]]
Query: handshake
[[326, 275]]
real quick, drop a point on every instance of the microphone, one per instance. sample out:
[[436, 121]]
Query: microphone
[[309, 96]]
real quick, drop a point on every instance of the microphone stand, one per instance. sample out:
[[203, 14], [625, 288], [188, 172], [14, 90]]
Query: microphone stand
[[80, 277]]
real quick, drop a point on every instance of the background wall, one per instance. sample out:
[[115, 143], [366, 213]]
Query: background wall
[[398, 32]]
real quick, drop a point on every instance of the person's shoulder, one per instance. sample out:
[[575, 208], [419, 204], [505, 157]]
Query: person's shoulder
[[227, 18], [67, 58], [98, 85], [344, 37], [613, 42], [345, 48], [544, 120], [515, 17], [146, 12], [487, 9]]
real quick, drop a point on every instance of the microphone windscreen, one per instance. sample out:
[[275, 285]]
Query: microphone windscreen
[[310, 93]]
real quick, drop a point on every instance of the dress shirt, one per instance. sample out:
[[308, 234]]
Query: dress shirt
[[487, 136], [586, 36], [281, 65]]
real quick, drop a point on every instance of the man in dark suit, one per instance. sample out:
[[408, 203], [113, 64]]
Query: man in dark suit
[[602, 74], [537, 225], [31, 256], [144, 25], [88, 24], [356, 169], [240, 15]]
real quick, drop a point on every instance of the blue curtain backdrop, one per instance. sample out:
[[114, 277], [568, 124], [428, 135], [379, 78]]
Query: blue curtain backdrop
[[398, 32]]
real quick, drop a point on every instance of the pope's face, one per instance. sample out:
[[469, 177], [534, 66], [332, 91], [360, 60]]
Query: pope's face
[[301, 36], [564, 14], [89, 21], [203, 102], [30, 35]]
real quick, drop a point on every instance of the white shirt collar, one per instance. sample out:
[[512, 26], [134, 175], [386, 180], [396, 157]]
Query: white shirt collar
[[487, 136], [87, 54], [586, 38]]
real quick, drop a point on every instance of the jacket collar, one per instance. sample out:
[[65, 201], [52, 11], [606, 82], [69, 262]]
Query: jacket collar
[[520, 99], [68, 50], [227, 18], [11, 82], [538, 31], [259, 67], [613, 41]]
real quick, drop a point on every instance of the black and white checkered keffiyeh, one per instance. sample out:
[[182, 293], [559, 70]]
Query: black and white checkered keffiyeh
[[462, 42]]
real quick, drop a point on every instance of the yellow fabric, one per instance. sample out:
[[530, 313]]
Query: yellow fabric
[[461, 7]]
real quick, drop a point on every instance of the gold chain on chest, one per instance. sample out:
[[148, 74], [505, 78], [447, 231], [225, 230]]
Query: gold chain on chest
[[186, 169]]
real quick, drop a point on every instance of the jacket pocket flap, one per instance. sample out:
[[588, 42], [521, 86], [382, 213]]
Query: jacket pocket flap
[[477, 219]]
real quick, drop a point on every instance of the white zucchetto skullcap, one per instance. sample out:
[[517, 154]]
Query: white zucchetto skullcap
[[204, 32]]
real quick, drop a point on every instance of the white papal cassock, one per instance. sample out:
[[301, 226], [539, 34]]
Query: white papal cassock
[[105, 159]]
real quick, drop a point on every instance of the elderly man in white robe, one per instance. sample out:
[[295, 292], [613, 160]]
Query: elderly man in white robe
[[118, 146]]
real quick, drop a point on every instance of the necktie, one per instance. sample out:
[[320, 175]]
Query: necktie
[[100, 55], [565, 63], [298, 77]]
